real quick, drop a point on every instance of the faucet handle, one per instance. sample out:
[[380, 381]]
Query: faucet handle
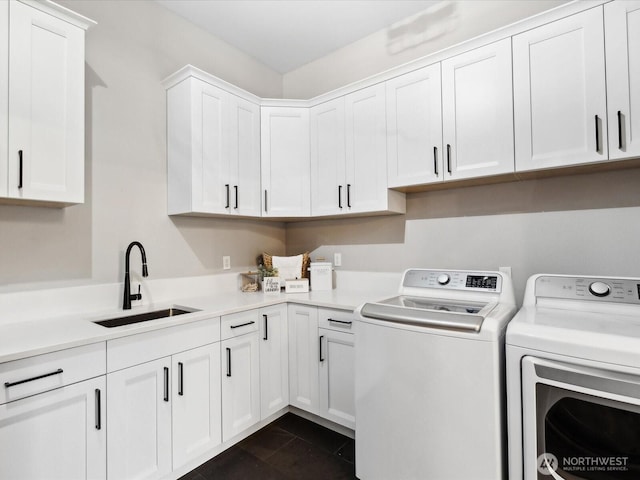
[[137, 296]]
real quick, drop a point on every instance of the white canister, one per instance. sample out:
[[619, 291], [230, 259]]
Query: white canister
[[321, 276]]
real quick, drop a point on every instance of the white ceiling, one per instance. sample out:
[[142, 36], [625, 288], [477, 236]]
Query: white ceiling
[[286, 34]]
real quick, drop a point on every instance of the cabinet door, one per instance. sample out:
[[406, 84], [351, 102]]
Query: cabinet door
[[477, 112], [559, 93], [4, 98], [414, 128], [303, 357], [622, 34], [285, 162], [337, 377], [196, 411], [240, 384], [328, 156], [55, 435], [245, 158], [274, 360], [46, 88], [139, 421], [366, 147]]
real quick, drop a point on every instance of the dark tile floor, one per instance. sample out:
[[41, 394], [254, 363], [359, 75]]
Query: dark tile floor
[[289, 448]]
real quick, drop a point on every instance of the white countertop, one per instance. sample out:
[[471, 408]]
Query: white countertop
[[48, 333]]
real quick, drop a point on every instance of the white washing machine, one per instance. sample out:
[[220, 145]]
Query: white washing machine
[[573, 379], [430, 378]]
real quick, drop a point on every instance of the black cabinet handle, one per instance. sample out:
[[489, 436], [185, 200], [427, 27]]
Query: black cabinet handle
[[265, 200], [339, 196], [98, 410], [321, 337], [435, 160], [235, 187], [226, 186], [180, 378], [242, 324], [20, 168], [449, 158], [228, 362], [166, 384], [339, 321], [349, 195], [20, 382], [597, 134], [619, 130], [266, 327]]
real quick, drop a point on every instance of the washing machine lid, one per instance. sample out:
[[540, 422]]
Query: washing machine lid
[[429, 312]]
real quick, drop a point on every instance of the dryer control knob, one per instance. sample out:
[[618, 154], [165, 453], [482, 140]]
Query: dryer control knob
[[599, 289], [443, 279]]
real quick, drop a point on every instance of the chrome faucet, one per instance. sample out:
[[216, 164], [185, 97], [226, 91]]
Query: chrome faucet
[[126, 304]]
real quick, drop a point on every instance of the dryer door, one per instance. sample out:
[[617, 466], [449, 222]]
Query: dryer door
[[579, 422]]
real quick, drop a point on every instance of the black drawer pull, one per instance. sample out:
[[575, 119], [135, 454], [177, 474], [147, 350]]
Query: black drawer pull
[[98, 410], [242, 324], [166, 384], [20, 382], [339, 321], [180, 379], [266, 327], [228, 362], [321, 337]]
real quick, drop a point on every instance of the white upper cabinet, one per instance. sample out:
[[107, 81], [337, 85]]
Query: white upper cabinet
[[477, 112], [45, 160], [328, 158], [559, 93], [213, 150], [414, 128], [622, 35], [285, 162]]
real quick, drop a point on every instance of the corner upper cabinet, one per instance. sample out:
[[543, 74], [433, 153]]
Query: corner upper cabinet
[[285, 161], [414, 128], [45, 162], [477, 112], [560, 105], [622, 43], [213, 147]]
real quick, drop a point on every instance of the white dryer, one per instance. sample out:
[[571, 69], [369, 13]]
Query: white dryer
[[573, 379]]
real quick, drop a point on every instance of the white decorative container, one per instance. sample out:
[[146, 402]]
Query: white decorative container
[[321, 276]]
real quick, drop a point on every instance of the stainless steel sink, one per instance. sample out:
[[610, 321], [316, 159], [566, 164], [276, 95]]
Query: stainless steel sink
[[143, 317]]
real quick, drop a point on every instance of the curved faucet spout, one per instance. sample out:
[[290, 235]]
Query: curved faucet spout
[[126, 302]]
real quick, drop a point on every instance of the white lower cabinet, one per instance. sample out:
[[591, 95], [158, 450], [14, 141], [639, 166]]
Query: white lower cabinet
[[139, 421], [274, 360], [303, 357], [337, 362], [241, 373], [59, 434]]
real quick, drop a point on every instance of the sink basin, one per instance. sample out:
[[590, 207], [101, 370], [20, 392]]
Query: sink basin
[[142, 317]]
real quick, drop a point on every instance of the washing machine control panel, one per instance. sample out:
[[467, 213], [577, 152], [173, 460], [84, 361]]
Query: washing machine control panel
[[616, 290], [453, 280]]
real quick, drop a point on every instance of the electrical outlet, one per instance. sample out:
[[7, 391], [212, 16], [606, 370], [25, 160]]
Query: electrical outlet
[[337, 259], [505, 270], [226, 262]]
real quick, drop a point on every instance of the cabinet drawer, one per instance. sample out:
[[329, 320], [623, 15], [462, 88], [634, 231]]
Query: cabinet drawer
[[340, 320], [239, 323], [29, 376], [144, 347]]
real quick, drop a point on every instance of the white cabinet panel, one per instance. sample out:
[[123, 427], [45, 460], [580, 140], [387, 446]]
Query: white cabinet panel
[[414, 128], [46, 112], [245, 171], [274, 360], [240, 384], [285, 162], [303, 357], [196, 410], [4, 98], [622, 42], [337, 377], [55, 435], [559, 93], [477, 111], [328, 158], [139, 421]]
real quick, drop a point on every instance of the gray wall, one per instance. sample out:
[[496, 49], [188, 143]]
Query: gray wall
[[135, 45]]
